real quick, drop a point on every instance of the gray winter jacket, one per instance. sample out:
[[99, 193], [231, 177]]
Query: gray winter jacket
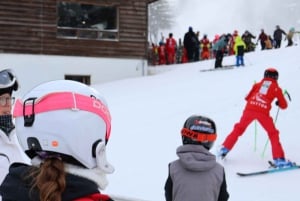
[[220, 44], [195, 176]]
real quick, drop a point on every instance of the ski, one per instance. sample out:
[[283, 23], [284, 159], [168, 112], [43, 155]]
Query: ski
[[225, 67], [272, 169]]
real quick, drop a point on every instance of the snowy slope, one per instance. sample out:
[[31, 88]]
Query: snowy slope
[[148, 113]]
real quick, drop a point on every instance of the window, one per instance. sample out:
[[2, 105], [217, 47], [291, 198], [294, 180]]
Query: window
[[87, 21], [86, 79]]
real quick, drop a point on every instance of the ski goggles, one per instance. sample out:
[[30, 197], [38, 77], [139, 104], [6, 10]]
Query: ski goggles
[[199, 136], [7, 78]]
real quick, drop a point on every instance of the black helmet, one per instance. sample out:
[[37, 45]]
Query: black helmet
[[8, 81], [199, 130], [271, 73]]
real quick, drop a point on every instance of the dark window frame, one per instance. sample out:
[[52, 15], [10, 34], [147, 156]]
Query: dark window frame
[[85, 79], [87, 21]]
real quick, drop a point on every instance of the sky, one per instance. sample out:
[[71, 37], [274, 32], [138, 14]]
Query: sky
[[217, 16], [148, 114]]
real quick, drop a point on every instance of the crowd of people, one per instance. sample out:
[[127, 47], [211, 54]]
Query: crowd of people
[[193, 48]]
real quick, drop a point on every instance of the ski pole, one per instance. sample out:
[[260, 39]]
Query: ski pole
[[249, 61], [290, 99], [288, 95], [255, 131], [255, 135]]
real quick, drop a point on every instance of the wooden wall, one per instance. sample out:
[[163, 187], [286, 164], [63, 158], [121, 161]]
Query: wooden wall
[[29, 26]]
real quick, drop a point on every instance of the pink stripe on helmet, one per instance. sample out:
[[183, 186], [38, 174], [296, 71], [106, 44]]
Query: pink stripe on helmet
[[65, 100]]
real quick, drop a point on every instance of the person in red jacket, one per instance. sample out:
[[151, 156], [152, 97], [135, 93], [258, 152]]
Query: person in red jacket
[[205, 47], [184, 58], [162, 58], [232, 42], [258, 108], [171, 49], [262, 38], [64, 127]]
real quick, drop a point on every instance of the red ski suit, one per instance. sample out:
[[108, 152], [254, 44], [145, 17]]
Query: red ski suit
[[205, 45], [162, 54], [258, 108], [171, 49]]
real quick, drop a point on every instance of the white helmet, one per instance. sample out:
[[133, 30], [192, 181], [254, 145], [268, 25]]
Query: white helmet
[[64, 118]]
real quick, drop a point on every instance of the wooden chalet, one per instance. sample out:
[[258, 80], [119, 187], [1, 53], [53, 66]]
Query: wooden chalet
[[92, 28]]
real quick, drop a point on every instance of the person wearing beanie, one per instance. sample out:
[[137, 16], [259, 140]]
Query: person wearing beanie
[[196, 175], [10, 151]]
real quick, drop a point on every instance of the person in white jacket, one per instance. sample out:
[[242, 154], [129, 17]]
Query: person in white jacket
[[10, 150]]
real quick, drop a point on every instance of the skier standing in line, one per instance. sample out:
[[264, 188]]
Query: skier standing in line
[[231, 42], [269, 43], [162, 55], [277, 35], [220, 47], [262, 38], [247, 38], [290, 36], [196, 173], [191, 43], [258, 108], [171, 47], [205, 48], [239, 49]]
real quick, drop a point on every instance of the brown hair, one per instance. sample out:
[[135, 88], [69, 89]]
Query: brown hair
[[50, 179]]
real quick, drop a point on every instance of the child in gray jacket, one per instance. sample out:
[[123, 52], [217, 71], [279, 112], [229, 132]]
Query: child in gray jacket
[[196, 175]]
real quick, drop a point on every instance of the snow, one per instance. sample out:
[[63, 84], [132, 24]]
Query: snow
[[148, 113]]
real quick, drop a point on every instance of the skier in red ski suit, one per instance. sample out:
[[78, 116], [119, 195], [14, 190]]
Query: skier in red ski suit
[[232, 43], [162, 59], [258, 108], [171, 49], [205, 46]]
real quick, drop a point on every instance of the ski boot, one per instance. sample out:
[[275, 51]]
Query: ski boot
[[223, 152], [282, 163]]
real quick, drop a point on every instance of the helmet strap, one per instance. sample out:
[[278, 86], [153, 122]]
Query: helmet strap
[[102, 163]]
